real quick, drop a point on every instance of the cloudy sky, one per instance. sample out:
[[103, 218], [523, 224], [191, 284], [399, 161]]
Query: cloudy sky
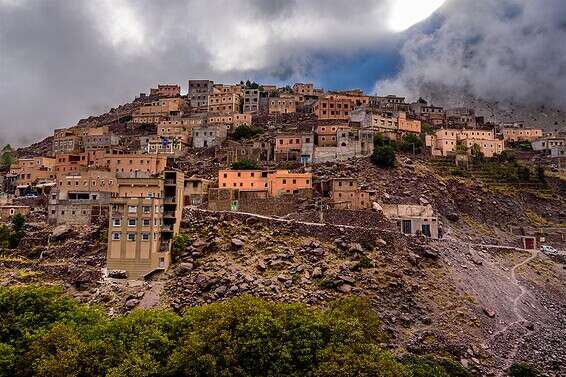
[[62, 60]]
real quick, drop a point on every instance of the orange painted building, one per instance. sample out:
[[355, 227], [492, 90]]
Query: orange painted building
[[286, 143], [276, 182]]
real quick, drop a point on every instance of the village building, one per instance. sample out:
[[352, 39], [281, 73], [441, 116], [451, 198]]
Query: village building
[[303, 89], [274, 182], [434, 115], [71, 162], [251, 100], [461, 117], [209, 135], [294, 146], [388, 103], [33, 170], [445, 141], [80, 198], [7, 211], [232, 120], [232, 151], [126, 164], [166, 91], [413, 219], [333, 107], [196, 191], [168, 145], [145, 215], [515, 134], [284, 104], [223, 102], [345, 143], [66, 141], [347, 194], [546, 144], [199, 90], [157, 111]]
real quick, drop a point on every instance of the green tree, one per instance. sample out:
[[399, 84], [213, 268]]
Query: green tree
[[6, 157], [523, 173], [245, 165], [45, 333], [476, 152], [410, 142], [461, 148], [384, 156], [246, 132], [378, 139], [541, 174], [18, 223]]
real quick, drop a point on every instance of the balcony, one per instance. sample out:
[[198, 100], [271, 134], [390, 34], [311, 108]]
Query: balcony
[[167, 228], [170, 182], [169, 214], [170, 200], [165, 246]]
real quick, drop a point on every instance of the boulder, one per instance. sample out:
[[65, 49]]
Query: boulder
[[118, 274], [238, 243]]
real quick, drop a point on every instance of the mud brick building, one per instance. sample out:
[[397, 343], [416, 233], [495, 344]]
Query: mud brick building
[[166, 90], [347, 194]]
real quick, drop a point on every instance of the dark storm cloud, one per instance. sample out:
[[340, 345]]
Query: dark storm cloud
[[63, 60], [509, 50]]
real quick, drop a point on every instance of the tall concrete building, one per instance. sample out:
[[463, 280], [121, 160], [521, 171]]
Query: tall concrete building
[[145, 215], [199, 90]]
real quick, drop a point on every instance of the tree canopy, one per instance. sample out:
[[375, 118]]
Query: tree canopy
[[45, 333]]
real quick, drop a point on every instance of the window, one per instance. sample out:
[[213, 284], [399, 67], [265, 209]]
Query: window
[[145, 236], [115, 236], [131, 236], [146, 222], [146, 209], [117, 222], [131, 222], [132, 209]]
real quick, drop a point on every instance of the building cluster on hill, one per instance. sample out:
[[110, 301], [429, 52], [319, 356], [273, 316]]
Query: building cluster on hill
[[126, 167]]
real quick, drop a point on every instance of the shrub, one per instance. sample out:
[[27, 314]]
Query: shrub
[[246, 132], [384, 156], [410, 141], [245, 165], [523, 370], [378, 139], [541, 174], [179, 245], [524, 174], [458, 172]]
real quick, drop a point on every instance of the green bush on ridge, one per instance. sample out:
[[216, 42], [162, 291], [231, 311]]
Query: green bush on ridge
[[45, 333]]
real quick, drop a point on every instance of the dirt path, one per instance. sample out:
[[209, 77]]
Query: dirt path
[[520, 319], [152, 298]]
